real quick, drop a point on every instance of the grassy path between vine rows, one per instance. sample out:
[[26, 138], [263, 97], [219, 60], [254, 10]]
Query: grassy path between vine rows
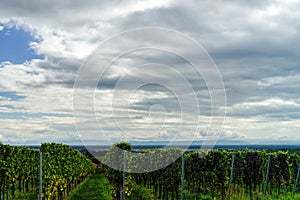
[[94, 187]]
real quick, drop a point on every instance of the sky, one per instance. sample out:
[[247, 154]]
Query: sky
[[44, 45]]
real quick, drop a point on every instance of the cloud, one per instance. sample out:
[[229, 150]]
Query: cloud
[[255, 44], [269, 109]]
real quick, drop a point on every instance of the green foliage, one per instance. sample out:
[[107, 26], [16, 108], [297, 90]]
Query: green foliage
[[280, 172], [94, 187], [139, 192], [206, 173], [63, 169], [115, 158], [26, 196], [192, 196], [124, 146], [18, 167]]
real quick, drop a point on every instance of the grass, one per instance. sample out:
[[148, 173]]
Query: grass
[[141, 193], [32, 194], [94, 187], [27, 196]]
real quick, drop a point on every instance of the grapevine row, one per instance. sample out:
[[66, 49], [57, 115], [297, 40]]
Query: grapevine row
[[207, 173], [63, 169], [18, 170]]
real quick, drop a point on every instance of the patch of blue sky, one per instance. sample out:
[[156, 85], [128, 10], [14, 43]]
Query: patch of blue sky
[[23, 115], [8, 106], [12, 96], [14, 45]]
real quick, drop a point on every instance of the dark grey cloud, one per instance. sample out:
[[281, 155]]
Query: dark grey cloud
[[247, 43]]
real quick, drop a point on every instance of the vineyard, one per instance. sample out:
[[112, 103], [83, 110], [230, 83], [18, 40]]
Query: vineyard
[[207, 174], [63, 169], [216, 174], [18, 170]]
